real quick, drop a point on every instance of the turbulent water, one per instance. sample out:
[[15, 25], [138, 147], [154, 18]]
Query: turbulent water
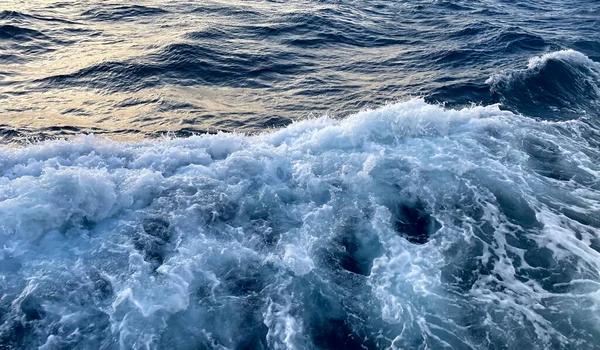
[[440, 187]]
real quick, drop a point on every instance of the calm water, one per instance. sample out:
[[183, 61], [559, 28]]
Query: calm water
[[403, 175]]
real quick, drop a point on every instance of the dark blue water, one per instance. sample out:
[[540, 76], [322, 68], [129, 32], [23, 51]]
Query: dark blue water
[[183, 66], [300, 175]]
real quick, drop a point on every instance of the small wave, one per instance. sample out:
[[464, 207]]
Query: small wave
[[473, 29], [513, 41], [505, 42], [11, 32], [118, 13], [569, 56], [454, 6], [21, 17], [182, 64], [109, 76], [229, 10]]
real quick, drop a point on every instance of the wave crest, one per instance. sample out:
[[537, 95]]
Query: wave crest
[[556, 86]]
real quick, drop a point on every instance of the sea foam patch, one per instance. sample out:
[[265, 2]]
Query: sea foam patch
[[408, 226]]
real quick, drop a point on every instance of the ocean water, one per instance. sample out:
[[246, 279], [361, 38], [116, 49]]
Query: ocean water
[[300, 175]]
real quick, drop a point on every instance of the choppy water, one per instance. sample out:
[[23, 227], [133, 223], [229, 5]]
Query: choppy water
[[450, 200], [143, 69]]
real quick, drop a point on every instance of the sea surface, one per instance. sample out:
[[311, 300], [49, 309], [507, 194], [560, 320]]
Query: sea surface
[[300, 174]]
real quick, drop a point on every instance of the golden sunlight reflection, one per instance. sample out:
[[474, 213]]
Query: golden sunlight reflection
[[82, 73]]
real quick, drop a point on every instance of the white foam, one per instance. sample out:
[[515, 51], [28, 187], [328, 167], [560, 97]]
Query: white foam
[[255, 224], [564, 55], [535, 63]]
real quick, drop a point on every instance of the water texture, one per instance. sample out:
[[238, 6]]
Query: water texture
[[439, 188], [135, 70]]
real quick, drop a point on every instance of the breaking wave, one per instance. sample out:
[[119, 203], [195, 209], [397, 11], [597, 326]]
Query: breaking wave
[[558, 85], [408, 226]]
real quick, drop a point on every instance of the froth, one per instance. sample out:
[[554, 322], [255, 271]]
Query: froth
[[405, 225]]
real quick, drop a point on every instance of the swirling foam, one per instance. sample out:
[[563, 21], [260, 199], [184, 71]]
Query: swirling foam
[[409, 226]]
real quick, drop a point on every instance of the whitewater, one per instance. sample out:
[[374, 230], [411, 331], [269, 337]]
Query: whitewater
[[408, 226]]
